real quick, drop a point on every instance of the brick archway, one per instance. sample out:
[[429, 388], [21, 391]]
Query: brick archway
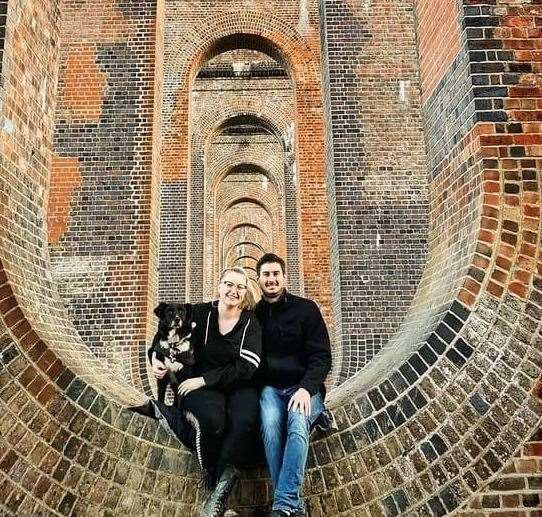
[[218, 201], [301, 57]]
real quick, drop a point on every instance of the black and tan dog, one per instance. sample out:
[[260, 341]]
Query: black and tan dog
[[171, 345]]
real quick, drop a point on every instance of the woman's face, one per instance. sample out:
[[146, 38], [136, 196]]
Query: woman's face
[[232, 289]]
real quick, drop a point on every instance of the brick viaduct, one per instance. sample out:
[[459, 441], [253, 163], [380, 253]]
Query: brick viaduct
[[390, 149]]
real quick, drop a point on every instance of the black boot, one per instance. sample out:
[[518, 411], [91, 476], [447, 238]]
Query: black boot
[[146, 409], [215, 504]]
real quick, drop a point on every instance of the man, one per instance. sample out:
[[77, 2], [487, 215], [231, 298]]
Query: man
[[297, 359]]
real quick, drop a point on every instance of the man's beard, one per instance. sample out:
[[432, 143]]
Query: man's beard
[[273, 295]]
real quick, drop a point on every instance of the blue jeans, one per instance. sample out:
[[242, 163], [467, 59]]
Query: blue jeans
[[286, 441]]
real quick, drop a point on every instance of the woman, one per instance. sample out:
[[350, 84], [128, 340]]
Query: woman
[[219, 405]]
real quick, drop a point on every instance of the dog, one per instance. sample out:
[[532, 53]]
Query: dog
[[171, 345]]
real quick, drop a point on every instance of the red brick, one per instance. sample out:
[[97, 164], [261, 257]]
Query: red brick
[[491, 186], [495, 289], [466, 297], [518, 21], [519, 289]]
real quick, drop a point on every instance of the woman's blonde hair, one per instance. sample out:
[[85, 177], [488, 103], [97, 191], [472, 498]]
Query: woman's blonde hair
[[248, 301]]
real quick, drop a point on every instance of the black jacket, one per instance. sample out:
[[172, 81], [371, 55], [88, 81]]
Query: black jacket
[[295, 341], [225, 361]]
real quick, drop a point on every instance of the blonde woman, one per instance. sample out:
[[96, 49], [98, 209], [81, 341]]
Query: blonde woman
[[220, 403]]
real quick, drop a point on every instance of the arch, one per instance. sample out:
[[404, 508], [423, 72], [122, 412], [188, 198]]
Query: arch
[[227, 234], [192, 49], [301, 56], [218, 175], [252, 201], [242, 226], [212, 124], [246, 257], [236, 169], [256, 216], [249, 243], [244, 118], [222, 196], [215, 167], [247, 225], [252, 249], [218, 171], [245, 41], [246, 264], [217, 31], [250, 27]]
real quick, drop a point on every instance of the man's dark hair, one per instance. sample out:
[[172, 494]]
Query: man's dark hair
[[267, 259]]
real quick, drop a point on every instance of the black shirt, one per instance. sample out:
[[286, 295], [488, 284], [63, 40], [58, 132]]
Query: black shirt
[[229, 360], [295, 343]]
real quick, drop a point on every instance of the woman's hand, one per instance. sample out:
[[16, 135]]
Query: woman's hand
[[158, 368], [190, 385]]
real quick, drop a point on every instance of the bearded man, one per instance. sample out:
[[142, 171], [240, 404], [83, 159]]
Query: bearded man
[[296, 361]]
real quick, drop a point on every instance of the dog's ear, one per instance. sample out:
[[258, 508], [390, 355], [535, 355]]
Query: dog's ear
[[159, 310]]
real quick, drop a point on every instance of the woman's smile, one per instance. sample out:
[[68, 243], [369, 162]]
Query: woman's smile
[[232, 289]]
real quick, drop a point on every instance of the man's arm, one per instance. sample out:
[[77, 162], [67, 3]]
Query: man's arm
[[317, 349]]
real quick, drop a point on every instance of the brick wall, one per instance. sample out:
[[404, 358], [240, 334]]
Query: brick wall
[[379, 180], [239, 123], [516, 490], [439, 41], [476, 154], [102, 222], [3, 15]]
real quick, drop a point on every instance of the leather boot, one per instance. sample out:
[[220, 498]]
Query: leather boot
[[215, 504], [146, 409]]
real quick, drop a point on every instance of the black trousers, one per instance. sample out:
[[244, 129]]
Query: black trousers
[[226, 426]]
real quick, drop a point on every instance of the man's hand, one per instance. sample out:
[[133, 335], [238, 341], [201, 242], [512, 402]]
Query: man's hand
[[301, 401], [158, 368], [190, 385]]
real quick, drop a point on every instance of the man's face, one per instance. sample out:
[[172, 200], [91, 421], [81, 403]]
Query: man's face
[[272, 281]]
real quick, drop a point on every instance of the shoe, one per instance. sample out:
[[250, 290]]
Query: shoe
[[146, 409], [215, 504], [283, 513], [325, 422]]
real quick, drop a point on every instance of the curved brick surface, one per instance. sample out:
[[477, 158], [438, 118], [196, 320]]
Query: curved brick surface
[[446, 417]]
